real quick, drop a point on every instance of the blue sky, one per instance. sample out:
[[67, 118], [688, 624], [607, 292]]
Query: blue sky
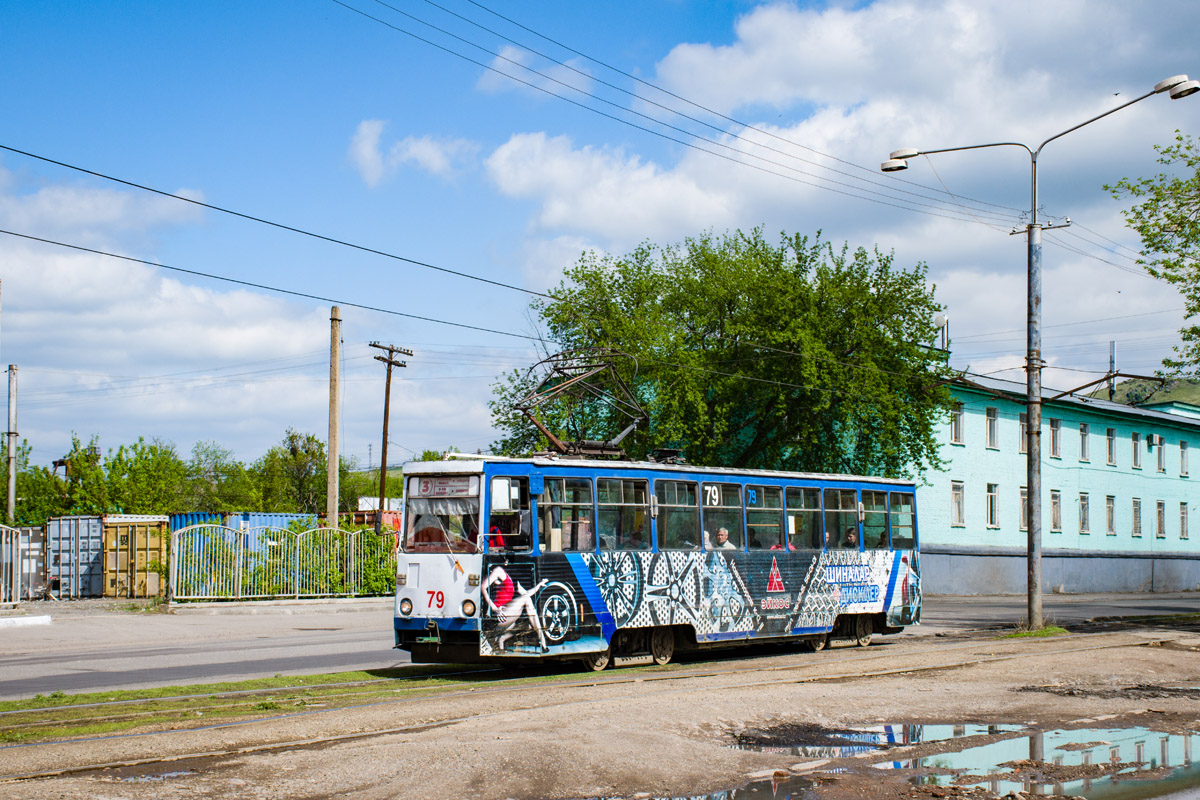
[[315, 116]]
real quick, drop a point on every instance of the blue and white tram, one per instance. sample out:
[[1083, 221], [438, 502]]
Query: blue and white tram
[[555, 558]]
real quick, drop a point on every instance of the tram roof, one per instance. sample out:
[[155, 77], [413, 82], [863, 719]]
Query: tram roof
[[474, 463]]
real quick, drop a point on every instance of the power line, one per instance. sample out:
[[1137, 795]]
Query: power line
[[262, 221], [271, 288]]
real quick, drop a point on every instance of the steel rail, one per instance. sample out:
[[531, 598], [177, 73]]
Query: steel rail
[[594, 683]]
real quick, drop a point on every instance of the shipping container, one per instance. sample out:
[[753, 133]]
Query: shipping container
[[245, 520], [181, 521], [260, 527], [75, 547], [135, 554]]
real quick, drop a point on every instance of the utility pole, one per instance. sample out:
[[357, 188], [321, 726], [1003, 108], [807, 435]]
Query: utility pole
[[1112, 368], [335, 380], [390, 360], [12, 443]]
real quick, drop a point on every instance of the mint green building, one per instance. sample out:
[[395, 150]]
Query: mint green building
[[1117, 494]]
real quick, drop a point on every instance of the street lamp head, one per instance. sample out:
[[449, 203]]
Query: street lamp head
[[894, 165], [1169, 83], [1184, 89], [905, 153]]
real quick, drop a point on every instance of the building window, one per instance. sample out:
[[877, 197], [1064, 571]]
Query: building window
[[957, 419], [1056, 438], [1183, 459], [991, 429], [1183, 534], [1023, 512], [1085, 525], [1055, 511], [1023, 433], [993, 505], [1112, 446], [1110, 515], [1137, 517], [1083, 442], [1160, 520], [957, 504], [1135, 440], [1160, 445]]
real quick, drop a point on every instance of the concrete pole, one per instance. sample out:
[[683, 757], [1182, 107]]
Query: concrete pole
[[335, 380], [12, 443]]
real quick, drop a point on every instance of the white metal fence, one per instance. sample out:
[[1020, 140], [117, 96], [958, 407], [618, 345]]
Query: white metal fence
[[22, 565], [212, 562]]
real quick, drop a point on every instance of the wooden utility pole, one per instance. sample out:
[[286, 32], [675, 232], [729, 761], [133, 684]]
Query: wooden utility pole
[[390, 360], [12, 443], [335, 380]]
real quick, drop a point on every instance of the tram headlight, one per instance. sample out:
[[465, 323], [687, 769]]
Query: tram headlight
[[406, 606], [468, 608]]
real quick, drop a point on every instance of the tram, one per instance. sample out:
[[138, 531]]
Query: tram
[[553, 558]]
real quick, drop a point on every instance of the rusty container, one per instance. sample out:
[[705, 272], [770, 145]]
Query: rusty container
[[135, 554]]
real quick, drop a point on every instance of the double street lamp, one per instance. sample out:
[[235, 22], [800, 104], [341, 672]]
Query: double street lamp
[[1177, 87]]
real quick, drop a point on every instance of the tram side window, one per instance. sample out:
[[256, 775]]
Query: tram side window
[[804, 518], [678, 515], [841, 519], [565, 515], [903, 521], [764, 518], [510, 521], [875, 520], [622, 514], [722, 512]]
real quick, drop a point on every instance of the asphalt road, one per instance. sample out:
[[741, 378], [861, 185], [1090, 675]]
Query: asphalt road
[[98, 646]]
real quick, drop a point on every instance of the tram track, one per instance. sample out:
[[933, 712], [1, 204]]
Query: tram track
[[822, 669]]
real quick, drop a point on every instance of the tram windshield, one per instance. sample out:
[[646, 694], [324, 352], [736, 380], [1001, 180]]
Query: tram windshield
[[441, 525]]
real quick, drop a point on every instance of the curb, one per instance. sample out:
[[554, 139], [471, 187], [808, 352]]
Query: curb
[[22, 622]]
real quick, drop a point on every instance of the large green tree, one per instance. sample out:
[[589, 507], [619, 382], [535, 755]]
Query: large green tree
[[795, 355], [1166, 215], [146, 478], [217, 481]]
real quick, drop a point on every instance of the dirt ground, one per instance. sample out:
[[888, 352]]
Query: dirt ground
[[656, 733]]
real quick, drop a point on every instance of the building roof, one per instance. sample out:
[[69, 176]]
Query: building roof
[[1179, 414]]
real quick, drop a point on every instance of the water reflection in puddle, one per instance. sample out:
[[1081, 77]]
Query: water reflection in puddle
[[159, 776], [1100, 764], [846, 743]]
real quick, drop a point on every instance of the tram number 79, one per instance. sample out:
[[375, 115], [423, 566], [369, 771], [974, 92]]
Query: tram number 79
[[436, 599]]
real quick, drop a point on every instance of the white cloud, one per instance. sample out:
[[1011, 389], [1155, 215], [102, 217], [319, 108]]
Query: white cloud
[[603, 192], [441, 157]]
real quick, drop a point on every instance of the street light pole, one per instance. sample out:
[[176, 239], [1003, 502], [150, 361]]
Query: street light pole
[[1178, 86]]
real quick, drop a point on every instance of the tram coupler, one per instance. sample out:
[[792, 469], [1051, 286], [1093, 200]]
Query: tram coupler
[[435, 635]]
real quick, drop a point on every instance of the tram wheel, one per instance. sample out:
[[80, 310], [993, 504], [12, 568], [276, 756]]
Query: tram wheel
[[820, 643], [863, 629], [662, 645], [598, 661]]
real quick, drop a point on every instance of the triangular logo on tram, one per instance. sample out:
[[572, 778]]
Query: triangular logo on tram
[[775, 582]]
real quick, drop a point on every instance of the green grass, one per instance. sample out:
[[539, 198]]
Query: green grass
[[1038, 633]]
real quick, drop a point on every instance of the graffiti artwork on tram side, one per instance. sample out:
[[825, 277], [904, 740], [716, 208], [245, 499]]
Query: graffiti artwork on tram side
[[572, 602]]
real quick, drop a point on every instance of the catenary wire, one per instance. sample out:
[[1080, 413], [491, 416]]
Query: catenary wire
[[889, 186], [693, 104], [910, 206]]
